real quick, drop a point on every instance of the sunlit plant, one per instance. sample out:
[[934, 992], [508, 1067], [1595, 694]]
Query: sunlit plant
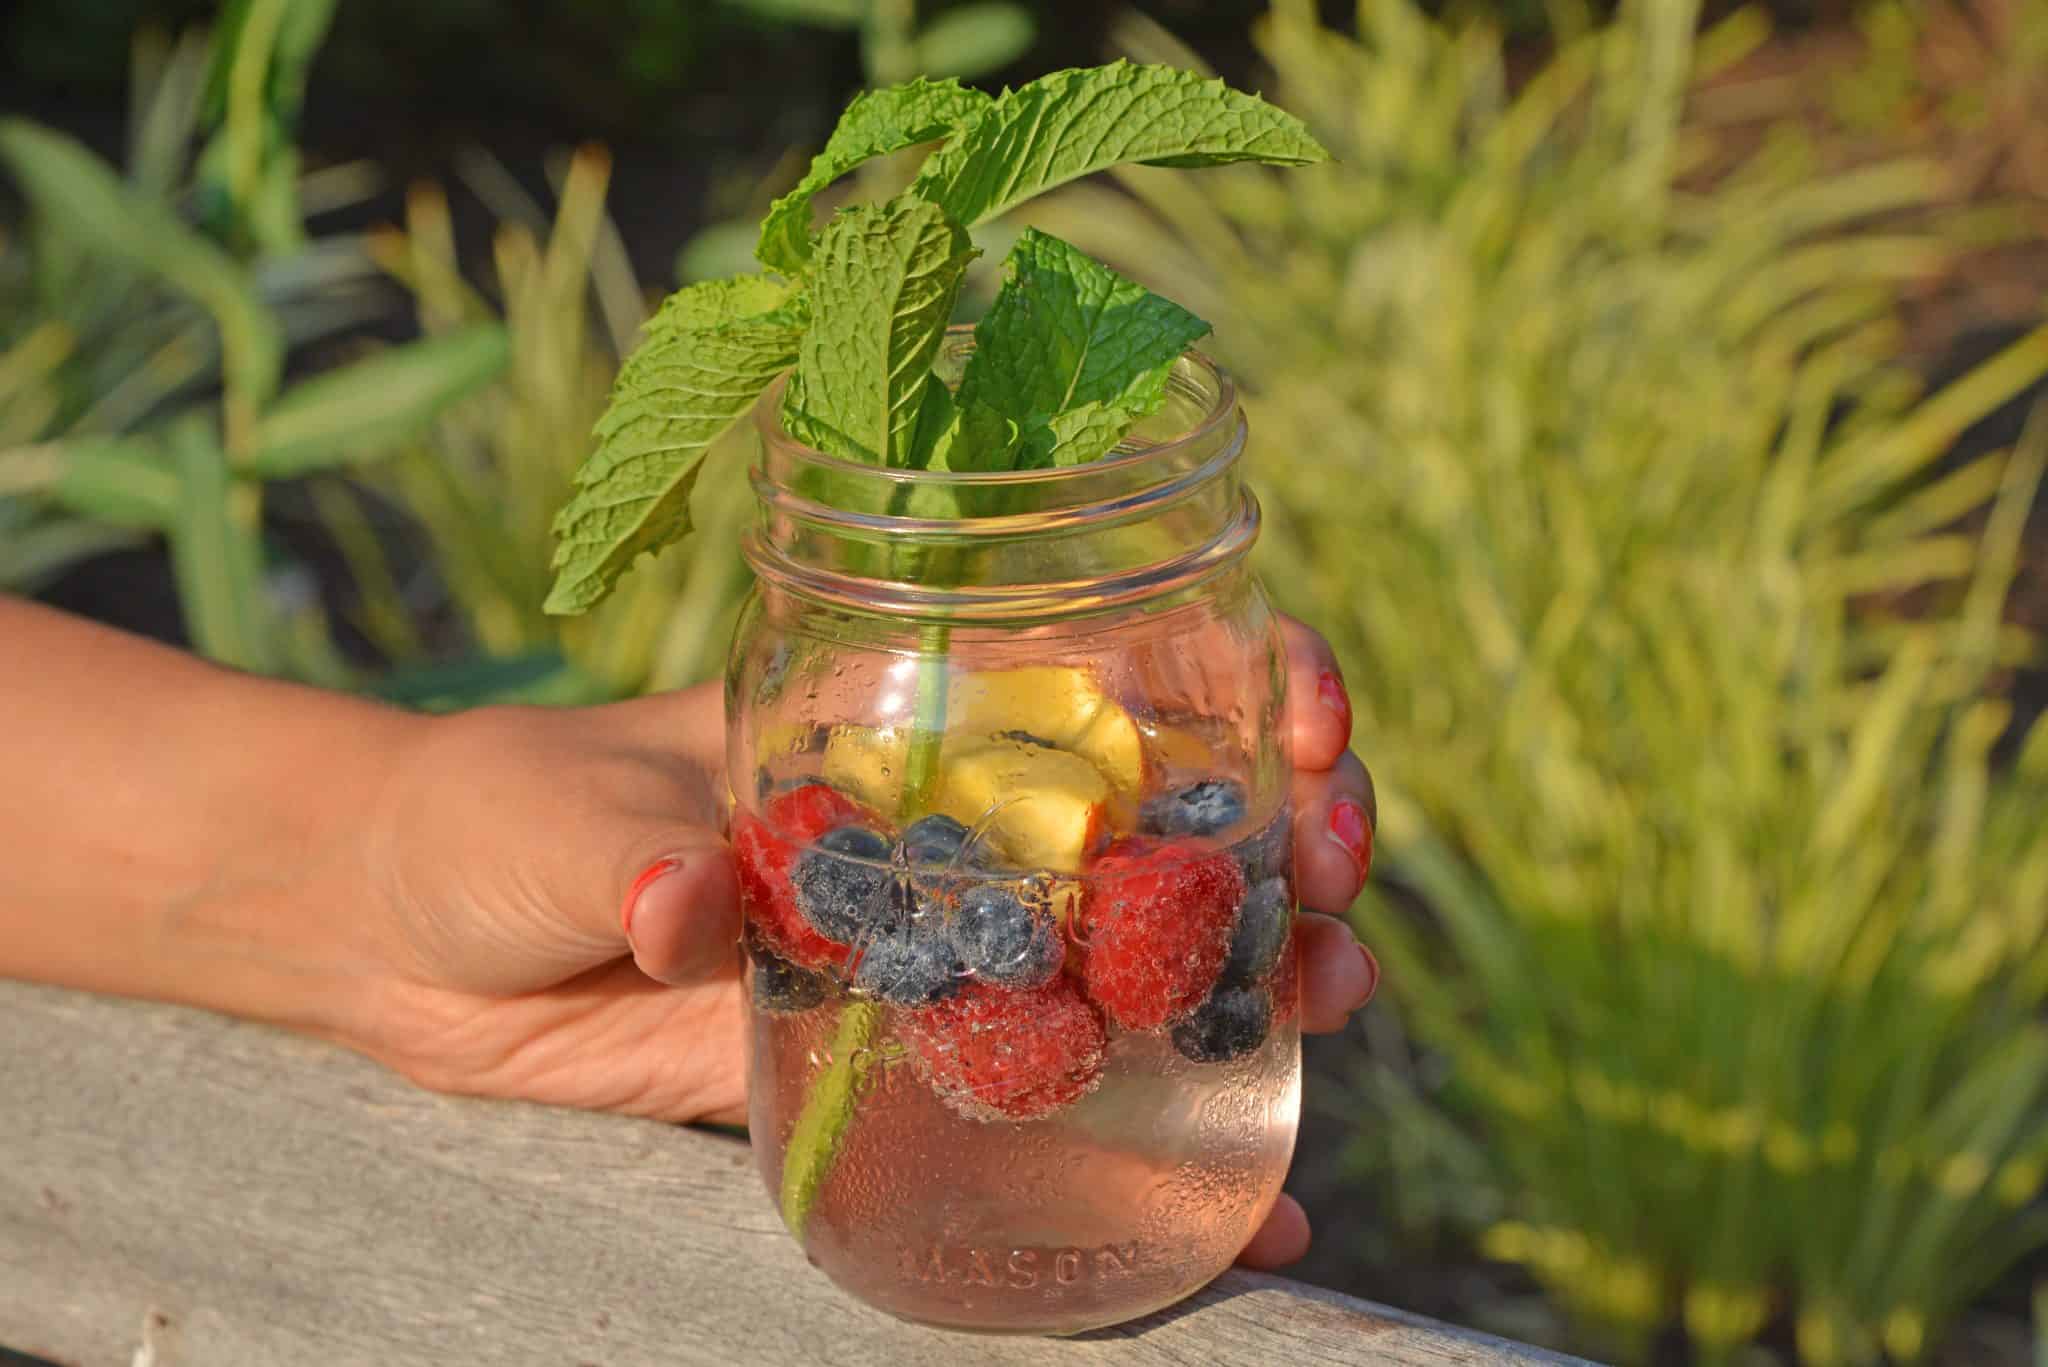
[[1724, 916]]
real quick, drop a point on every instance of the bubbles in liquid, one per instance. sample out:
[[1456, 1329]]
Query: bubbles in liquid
[[1114, 1205]]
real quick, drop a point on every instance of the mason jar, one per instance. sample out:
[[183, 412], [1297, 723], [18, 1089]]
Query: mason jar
[[1010, 778]]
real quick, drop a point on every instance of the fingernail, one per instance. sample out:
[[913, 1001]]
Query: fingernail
[[1330, 691], [1372, 975], [652, 873], [1348, 827]]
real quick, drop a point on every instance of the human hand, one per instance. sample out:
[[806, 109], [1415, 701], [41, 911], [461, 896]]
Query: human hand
[[557, 917]]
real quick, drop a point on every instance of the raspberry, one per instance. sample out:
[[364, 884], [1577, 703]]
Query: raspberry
[[1156, 926], [765, 850], [811, 808], [999, 1053]]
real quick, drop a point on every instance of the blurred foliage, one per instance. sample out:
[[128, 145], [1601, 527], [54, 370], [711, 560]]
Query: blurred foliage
[[142, 355], [1612, 491], [638, 69], [147, 324], [482, 484], [545, 51], [966, 42], [255, 87]]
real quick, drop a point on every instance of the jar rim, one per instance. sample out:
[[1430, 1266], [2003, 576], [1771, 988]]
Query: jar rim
[[767, 417]]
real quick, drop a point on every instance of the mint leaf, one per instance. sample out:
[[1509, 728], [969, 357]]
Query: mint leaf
[[937, 417], [1072, 352], [1073, 123], [713, 303], [980, 439], [701, 364], [882, 289], [877, 123], [1080, 435], [956, 438]]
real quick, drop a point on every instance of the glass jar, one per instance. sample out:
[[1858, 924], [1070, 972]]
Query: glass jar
[[1011, 777]]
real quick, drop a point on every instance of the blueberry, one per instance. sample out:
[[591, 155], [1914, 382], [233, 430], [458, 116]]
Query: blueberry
[[1003, 941], [843, 884], [1270, 853], [934, 840], [1229, 1025], [1262, 926], [783, 988], [1214, 804], [911, 964]]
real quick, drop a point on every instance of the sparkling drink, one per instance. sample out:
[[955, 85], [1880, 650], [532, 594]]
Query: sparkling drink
[[1010, 822]]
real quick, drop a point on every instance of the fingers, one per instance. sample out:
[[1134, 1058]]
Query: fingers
[[1281, 1240], [1334, 815], [1318, 708], [1338, 974]]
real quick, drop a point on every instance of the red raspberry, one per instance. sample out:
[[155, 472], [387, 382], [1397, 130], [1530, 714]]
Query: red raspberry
[[997, 1053], [765, 849], [1155, 927]]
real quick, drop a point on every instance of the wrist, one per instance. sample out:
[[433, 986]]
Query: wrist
[[265, 905], [295, 926]]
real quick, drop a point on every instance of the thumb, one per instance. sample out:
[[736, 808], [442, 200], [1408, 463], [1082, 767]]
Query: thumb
[[680, 911], [679, 904]]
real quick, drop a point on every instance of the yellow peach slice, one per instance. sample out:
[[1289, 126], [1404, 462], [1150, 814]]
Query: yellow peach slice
[[1058, 704], [1042, 808]]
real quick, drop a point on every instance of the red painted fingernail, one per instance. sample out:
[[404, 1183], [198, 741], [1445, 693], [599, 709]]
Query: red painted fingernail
[[1330, 690], [1372, 974], [647, 875], [1349, 828]]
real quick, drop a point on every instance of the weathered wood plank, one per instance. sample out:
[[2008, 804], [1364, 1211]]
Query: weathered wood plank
[[224, 1194]]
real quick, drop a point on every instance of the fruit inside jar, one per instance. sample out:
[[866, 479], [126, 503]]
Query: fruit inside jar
[[1032, 1040]]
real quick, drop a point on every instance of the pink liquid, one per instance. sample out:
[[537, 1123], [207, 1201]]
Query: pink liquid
[[1117, 1205]]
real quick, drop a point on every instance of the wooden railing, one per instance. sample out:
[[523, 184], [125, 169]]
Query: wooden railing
[[179, 1190]]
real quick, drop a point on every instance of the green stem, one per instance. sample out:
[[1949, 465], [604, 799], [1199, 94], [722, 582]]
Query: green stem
[[814, 1143], [928, 723], [828, 1111]]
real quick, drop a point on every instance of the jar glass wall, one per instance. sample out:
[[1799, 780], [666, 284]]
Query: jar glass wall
[[1010, 809]]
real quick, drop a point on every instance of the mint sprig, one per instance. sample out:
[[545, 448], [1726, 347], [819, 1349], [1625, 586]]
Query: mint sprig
[[715, 347]]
